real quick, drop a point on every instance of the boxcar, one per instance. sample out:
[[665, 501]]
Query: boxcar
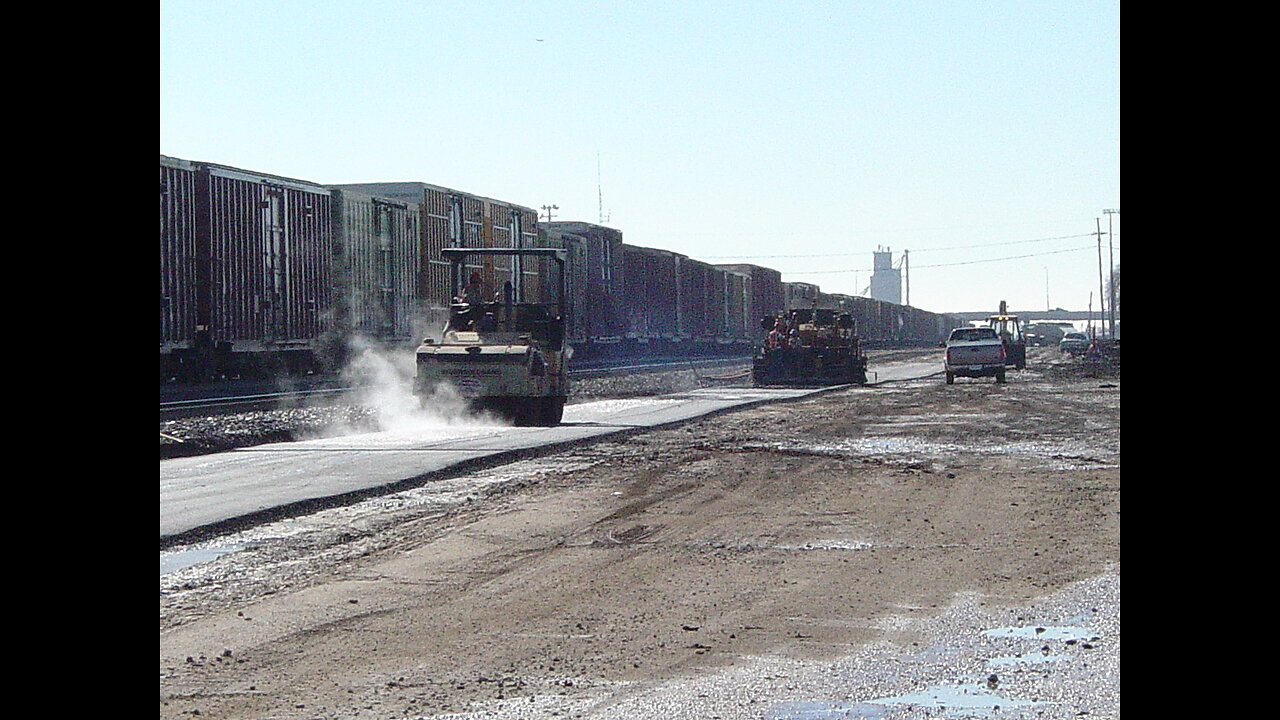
[[598, 272], [697, 303], [800, 295], [377, 250], [739, 322], [246, 270], [652, 314], [178, 259], [767, 296], [453, 218]]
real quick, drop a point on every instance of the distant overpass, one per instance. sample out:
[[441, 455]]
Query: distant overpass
[[1033, 315]]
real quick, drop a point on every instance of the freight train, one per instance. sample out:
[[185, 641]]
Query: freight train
[[262, 275]]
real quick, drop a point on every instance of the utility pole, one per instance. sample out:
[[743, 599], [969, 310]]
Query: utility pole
[[1101, 311], [906, 266], [1046, 288], [1111, 299], [549, 208]]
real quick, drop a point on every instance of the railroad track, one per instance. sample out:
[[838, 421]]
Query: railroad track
[[246, 397]]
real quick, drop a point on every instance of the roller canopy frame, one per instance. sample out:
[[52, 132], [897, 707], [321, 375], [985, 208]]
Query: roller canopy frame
[[458, 256]]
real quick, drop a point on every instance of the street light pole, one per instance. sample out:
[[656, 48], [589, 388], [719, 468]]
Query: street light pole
[[1111, 300]]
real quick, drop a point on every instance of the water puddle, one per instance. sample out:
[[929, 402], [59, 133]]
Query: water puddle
[[826, 710], [973, 700], [972, 697], [1032, 659], [1042, 632], [180, 559]]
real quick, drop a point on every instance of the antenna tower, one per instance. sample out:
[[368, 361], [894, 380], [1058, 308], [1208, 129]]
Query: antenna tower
[[600, 194]]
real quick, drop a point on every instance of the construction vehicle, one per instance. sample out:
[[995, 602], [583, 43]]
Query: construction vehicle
[[506, 356], [1010, 332], [812, 347]]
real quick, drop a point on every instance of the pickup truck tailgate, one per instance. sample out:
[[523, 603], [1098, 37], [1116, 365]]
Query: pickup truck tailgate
[[976, 354]]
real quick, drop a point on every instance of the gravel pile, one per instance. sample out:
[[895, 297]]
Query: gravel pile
[[219, 433]]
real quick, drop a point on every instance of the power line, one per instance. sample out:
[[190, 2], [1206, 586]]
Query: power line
[[956, 247], [1012, 242], [967, 262]]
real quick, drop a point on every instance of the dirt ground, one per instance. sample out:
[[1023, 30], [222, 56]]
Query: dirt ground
[[779, 531]]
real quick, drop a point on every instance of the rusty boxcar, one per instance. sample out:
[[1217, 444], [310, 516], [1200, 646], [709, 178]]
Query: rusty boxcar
[[256, 294]]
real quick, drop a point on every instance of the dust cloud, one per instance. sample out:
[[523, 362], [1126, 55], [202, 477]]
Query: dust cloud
[[381, 379]]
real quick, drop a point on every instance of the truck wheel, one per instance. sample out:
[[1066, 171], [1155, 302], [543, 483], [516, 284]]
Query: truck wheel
[[951, 378], [1000, 376]]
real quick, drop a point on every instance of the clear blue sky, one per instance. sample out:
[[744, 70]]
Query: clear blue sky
[[983, 137]]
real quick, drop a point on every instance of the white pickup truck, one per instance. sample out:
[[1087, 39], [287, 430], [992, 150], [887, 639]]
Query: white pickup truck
[[974, 352]]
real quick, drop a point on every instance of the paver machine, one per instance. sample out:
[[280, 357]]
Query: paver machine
[[503, 354], [809, 347], [1010, 332]]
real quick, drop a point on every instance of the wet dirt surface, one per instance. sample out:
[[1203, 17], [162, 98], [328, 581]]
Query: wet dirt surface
[[910, 550]]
